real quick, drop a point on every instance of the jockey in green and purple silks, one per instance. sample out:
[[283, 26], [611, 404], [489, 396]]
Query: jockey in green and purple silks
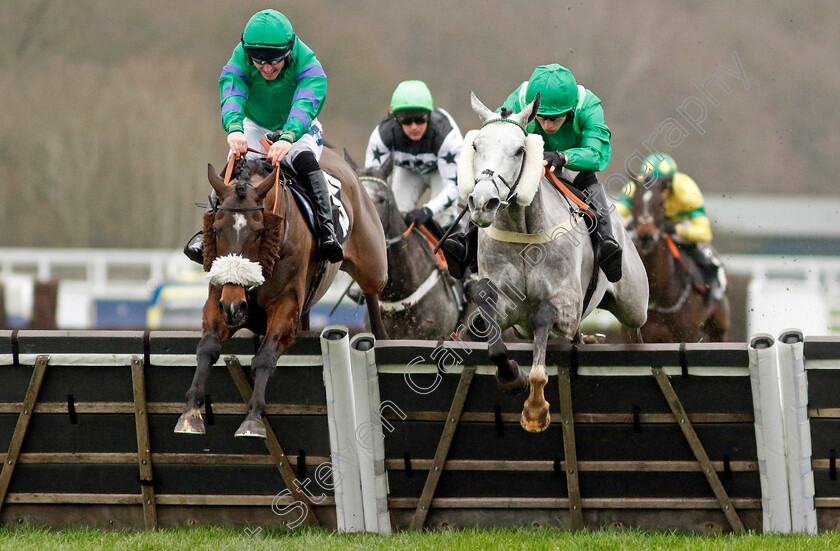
[[274, 84]]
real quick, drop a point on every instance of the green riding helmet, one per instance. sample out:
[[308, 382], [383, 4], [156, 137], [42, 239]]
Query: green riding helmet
[[412, 94], [557, 88], [658, 166], [268, 35]]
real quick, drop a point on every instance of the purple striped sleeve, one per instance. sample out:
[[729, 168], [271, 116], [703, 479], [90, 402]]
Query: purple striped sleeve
[[311, 71], [300, 114], [305, 93], [232, 70], [232, 90]]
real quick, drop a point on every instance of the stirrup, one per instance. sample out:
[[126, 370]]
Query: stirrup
[[194, 249]]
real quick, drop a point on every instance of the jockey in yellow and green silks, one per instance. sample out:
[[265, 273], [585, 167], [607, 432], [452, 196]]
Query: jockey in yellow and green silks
[[685, 216], [576, 139]]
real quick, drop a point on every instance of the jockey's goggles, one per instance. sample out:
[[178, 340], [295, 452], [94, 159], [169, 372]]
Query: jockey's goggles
[[272, 61], [408, 120]]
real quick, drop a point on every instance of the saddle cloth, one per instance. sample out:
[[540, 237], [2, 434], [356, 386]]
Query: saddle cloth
[[305, 199]]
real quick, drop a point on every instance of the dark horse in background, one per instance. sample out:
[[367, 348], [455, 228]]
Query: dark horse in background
[[421, 299], [265, 270], [679, 309]]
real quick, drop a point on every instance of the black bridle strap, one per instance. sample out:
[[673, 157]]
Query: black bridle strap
[[241, 209]]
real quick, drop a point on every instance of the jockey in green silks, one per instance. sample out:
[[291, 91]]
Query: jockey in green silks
[[274, 84], [576, 139]]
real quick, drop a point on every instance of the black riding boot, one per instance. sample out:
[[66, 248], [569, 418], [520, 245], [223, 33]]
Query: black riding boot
[[329, 248], [609, 251], [194, 249], [461, 252], [709, 266]]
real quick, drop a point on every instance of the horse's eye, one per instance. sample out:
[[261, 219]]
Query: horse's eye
[[520, 151], [473, 146]]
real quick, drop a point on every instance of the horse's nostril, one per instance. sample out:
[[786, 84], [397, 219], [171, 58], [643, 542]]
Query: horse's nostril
[[493, 204], [471, 202]]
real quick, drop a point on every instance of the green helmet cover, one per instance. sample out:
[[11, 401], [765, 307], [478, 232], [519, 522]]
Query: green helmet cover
[[268, 29], [412, 94], [657, 166], [557, 88]]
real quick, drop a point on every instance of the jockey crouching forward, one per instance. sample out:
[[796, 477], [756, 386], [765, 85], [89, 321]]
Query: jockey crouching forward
[[685, 217], [576, 145], [274, 84], [426, 144]]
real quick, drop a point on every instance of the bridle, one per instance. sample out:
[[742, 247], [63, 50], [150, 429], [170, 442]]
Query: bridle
[[491, 175]]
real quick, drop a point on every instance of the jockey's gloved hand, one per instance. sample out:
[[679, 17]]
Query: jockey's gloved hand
[[670, 229], [418, 216], [556, 159]]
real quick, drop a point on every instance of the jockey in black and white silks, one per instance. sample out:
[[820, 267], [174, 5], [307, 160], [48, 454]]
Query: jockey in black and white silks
[[425, 143]]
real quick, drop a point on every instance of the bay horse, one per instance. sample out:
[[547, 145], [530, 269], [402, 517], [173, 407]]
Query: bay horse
[[535, 261], [264, 270], [421, 299], [678, 310]]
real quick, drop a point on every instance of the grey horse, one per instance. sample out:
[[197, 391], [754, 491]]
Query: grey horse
[[535, 260]]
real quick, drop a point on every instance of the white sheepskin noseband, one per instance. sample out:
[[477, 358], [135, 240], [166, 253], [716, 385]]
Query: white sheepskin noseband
[[234, 269], [529, 179]]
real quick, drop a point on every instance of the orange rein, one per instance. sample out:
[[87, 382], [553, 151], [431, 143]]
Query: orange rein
[[565, 191], [232, 160], [430, 239]]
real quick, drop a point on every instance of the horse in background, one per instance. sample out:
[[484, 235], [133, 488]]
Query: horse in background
[[264, 271], [421, 299], [535, 262], [678, 310]]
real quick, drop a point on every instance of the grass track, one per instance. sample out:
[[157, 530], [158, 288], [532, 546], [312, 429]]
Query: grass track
[[525, 539]]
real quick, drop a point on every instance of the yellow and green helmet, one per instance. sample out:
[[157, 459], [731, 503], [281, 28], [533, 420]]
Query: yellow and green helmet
[[658, 166], [557, 88], [412, 94]]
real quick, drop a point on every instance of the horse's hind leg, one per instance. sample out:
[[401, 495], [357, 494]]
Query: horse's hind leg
[[535, 416], [377, 327], [509, 376]]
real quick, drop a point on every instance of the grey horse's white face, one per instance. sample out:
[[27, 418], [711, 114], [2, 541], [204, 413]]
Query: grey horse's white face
[[498, 154]]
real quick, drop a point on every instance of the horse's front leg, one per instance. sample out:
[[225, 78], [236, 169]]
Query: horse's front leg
[[535, 416], [281, 331], [509, 376], [207, 353]]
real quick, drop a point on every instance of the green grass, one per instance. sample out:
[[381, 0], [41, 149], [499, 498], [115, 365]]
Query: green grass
[[525, 539]]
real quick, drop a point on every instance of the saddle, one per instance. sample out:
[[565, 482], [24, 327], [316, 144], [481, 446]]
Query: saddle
[[305, 199]]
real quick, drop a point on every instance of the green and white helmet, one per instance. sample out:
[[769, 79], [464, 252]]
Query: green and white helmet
[[658, 166], [412, 94], [557, 88], [268, 35]]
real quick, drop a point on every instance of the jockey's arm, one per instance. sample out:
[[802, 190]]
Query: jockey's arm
[[695, 230], [447, 162]]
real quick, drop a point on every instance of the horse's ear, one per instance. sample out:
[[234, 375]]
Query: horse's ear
[[483, 112], [529, 112], [466, 171], [350, 160], [387, 167], [215, 181], [265, 186]]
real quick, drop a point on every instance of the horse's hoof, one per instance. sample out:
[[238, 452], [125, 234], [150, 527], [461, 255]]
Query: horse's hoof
[[190, 422], [535, 420], [250, 429], [515, 386]]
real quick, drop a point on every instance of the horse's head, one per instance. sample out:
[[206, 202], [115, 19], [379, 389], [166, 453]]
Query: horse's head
[[375, 182], [648, 214], [500, 161], [237, 235]]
